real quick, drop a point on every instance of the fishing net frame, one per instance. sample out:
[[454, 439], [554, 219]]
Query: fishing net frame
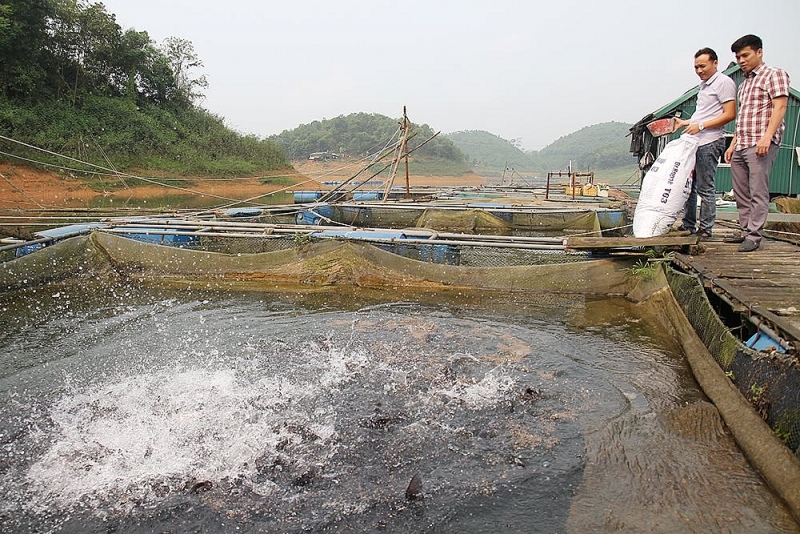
[[276, 262], [770, 380], [761, 429]]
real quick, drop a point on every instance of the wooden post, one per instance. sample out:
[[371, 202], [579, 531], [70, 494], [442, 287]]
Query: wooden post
[[401, 149], [404, 148], [547, 186]]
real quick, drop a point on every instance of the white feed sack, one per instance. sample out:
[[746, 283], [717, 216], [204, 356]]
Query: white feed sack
[[665, 188]]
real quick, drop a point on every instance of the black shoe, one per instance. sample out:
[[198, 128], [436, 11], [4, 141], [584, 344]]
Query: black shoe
[[703, 234], [683, 228], [734, 239], [748, 245]]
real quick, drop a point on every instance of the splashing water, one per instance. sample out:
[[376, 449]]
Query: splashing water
[[221, 412]]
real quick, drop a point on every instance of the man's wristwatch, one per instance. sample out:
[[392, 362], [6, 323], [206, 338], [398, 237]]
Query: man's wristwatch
[[701, 127]]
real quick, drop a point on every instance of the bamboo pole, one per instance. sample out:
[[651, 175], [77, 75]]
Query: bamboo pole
[[405, 152], [395, 163], [466, 206], [266, 229], [494, 244], [340, 186]]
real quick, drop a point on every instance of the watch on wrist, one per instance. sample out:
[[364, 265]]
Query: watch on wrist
[[701, 127]]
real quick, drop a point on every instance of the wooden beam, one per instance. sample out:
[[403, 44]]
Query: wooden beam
[[584, 243]]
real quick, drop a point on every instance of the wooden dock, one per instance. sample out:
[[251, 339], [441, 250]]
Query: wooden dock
[[764, 283], [610, 243]]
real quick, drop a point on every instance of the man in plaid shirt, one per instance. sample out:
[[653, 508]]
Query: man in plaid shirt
[[763, 96]]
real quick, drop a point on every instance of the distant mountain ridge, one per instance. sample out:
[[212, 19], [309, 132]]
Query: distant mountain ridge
[[598, 147], [485, 150], [360, 134]]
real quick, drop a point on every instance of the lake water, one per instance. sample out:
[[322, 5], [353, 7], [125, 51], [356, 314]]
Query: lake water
[[132, 409]]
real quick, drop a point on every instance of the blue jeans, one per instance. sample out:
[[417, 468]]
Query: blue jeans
[[705, 169]]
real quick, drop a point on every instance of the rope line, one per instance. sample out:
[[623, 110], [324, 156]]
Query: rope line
[[20, 191], [104, 169], [230, 202]]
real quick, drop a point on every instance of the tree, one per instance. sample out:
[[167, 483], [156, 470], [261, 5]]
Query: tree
[[23, 35], [182, 58], [83, 39], [134, 50]]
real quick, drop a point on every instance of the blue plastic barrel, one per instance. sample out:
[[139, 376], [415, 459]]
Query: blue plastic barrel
[[302, 197], [361, 196]]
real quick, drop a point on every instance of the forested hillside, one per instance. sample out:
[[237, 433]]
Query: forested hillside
[[596, 147], [359, 134], [488, 152], [73, 82], [599, 147]]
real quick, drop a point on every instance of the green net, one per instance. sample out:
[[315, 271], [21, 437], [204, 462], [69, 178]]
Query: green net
[[769, 380], [296, 260], [464, 221], [501, 222]]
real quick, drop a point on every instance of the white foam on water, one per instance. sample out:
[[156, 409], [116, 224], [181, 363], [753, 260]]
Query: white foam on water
[[151, 427], [154, 429], [487, 392], [344, 365], [138, 437]]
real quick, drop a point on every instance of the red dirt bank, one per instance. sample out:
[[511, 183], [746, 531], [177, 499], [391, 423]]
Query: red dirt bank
[[24, 187]]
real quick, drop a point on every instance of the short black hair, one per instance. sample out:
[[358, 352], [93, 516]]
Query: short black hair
[[753, 41], [711, 54]]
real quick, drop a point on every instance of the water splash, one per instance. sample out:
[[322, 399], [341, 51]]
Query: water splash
[[181, 414], [125, 437], [264, 422]]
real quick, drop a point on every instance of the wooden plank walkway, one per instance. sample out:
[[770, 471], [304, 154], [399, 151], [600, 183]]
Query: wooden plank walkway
[[600, 243], [765, 282]]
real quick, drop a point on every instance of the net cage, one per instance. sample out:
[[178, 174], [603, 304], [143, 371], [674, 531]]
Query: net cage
[[272, 262], [446, 254], [769, 380], [477, 221]]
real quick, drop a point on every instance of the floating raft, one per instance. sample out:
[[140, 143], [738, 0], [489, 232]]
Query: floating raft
[[472, 217], [764, 283], [605, 243], [186, 231]]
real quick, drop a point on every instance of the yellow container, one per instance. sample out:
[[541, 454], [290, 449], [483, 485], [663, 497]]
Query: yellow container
[[589, 190]]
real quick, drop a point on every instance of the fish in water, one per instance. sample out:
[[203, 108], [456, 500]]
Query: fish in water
[[201, 485], [414, 489]]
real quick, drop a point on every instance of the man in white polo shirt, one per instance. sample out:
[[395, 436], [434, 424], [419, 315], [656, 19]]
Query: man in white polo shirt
[[716, 106]]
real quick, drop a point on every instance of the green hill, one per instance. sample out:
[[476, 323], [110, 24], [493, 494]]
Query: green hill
[[360, 134], [602, 148], [488, 153], [598, 147], [74, 83]]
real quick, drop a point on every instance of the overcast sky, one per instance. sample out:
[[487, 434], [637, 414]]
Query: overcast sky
[[521, 69]]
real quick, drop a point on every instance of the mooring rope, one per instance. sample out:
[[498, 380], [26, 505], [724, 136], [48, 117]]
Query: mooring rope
[[20, 191], [105, 170]]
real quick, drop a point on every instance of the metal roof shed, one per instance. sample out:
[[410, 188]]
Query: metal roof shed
[[785, 176]]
